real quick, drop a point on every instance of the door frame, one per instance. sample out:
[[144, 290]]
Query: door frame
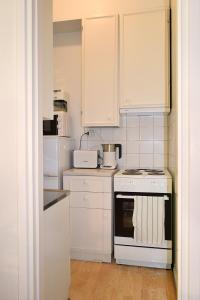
[[183, 149], [29, 153], [188, 149]]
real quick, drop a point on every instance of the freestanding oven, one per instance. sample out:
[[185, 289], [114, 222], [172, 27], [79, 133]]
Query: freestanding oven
[[143, 218]]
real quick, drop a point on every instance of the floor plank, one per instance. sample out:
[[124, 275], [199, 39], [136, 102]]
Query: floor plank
[[99, 281]]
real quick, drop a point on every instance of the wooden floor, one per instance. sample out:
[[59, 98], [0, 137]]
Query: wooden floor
[[99, 281]]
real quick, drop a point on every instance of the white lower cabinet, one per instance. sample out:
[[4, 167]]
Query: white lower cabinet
[[90, 220], [56, 251]]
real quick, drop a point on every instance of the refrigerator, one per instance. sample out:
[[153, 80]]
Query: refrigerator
[[57, 157]]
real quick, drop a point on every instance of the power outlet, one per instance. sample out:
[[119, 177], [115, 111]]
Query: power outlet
[[92, 132]]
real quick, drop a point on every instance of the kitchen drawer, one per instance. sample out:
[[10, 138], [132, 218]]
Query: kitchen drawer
[[88, 184], [91, 200]]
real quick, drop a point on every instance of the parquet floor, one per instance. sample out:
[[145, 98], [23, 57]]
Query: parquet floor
[[100, 281]]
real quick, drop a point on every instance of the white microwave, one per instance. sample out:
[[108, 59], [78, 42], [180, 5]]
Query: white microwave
[[58, 126]]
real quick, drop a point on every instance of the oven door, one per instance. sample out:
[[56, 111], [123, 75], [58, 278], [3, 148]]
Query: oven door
[[124, 207]]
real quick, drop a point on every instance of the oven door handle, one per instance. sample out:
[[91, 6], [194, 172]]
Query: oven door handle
[[125, 197]]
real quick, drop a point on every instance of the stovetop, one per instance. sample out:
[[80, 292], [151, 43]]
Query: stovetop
[[143, 181], [143, 173]]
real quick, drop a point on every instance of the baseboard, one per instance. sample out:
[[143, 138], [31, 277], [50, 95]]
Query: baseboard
[[88, 255]]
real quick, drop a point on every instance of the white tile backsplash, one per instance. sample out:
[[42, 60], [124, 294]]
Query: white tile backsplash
[[144, 140], [160, 160], [160, 147], [146, 161], [132, 161], [146, 147], [146, 133], [119, 134], [160, 133], [133, 134], [160, 121], [133, 147], [146, 121], [133, 121]]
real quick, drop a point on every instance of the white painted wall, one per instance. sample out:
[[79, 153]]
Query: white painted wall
[[68, 9], [173, 126], [8, 154], [188, 149], [143, 139], [193, 11]]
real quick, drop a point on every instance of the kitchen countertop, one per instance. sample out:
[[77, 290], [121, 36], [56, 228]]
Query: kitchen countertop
[[90, 172], [53, 196]]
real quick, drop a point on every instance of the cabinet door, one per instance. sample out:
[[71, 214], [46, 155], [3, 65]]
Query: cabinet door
[[45, 57], [100, 72], [56, 269], [144, 71], [87, 232]]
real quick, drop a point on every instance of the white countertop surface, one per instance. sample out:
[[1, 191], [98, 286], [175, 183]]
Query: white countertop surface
[[90, 172]]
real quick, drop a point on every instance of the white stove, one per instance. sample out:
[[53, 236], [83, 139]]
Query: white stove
[[143, 217], [143, 180]]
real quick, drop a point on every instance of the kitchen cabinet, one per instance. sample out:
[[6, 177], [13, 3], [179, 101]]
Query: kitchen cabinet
[[45, 57], [77, 9], [90, 217], [144, 61], [56, 249], [100, 71]]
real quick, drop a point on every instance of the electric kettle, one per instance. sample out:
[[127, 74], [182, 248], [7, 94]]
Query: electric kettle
[[110, 155]]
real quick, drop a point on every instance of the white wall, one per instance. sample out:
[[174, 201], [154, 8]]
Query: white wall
[[68, 9], [8, 154], [191, 135], [173, 127], [143, 139]]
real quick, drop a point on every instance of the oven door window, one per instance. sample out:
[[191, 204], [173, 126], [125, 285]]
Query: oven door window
[[124, 208], [50, 127]]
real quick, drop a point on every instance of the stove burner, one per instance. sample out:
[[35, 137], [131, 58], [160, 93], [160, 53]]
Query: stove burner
[[132, 172], [156, 173], [143, 172]]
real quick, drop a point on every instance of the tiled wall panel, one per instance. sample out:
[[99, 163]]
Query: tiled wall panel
[[144, 140]]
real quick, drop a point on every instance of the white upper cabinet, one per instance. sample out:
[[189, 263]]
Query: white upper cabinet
[[100, 72], [78, 9], [144, 57], [45, 56]]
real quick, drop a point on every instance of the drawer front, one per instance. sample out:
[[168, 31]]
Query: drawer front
[[88, 184], [91, 200]]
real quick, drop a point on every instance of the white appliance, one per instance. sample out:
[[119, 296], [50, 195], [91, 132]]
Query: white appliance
[[58, 126], [110, 156], [143, 218], [57, 157], [87, 159], [62, 123], [59, 94]]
